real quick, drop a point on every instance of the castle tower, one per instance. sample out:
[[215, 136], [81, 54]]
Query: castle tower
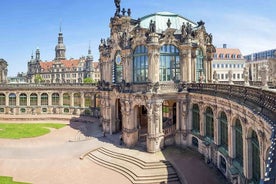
[[60, 48]]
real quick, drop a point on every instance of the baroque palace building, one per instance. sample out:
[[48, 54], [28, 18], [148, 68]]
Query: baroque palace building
[[157, 90], [62, 70]]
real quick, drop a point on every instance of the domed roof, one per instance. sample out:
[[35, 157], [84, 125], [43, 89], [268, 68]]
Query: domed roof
[[161, 19]]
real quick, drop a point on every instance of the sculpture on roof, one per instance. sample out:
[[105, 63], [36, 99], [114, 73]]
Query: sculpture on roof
[[118, 7], [152, 26], [189, 29]]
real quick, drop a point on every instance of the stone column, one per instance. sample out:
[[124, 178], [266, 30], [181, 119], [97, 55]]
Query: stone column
[[82, 100], [38, 99], [72, 100], [61, 99], [154, 58], [216, 129], [28, 99], [17, 99], [155, 138], [181, 133], [49, 99], [7, 99], [190, 69], [247, 155], [202, 120], [130, 131], [231, 141]]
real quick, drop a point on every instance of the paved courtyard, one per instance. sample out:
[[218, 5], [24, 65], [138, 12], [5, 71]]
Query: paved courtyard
[[54, 158]]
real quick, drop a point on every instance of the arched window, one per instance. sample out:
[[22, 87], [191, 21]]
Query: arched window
[[199, 64], [12, 99], [223, 131], [2, 99], [255, 158], [239, 142], [44, 99], [33, 99], [88, 100], [23, 99], [196, 118], [209, 120], [77, 100], [140, 64], [55, 99], [66, 99], [169, 63], [117, 68]]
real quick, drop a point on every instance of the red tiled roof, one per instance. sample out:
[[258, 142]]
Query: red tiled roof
[[95, 65], [221, 53], [73, 63], [228, 51]]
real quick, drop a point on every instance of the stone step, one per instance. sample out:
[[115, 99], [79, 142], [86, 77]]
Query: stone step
[[136, 161], [137, 172], [132, 175]]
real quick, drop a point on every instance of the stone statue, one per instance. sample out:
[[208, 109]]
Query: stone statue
[[128, 12], [215, 77], [152, 26], [189, 29], [169, 23], [118, 7], [230, 76], [263, 74], [183, 30], [246, 76]]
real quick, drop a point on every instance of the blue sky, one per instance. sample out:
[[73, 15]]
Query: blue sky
[[27, 24]]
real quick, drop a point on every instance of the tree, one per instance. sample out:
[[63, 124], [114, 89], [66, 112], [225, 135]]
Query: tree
[[88, 80], [38, 79]]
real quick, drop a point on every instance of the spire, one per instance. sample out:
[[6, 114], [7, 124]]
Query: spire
[[89, 49], [37, 54], [89, 56], [60, 47]]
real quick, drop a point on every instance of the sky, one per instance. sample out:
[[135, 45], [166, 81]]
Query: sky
[[26, 25]]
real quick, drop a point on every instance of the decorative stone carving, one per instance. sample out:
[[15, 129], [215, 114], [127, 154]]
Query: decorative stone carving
[[246, 76]]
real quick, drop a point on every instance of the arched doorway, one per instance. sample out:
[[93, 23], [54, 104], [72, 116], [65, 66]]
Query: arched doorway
[[118, 124], [142, 123]]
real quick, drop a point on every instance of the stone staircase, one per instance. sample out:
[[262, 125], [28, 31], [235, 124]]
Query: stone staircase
[[136, 170]]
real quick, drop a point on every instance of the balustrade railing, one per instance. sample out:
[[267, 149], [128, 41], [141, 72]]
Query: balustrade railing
[[260, 101]]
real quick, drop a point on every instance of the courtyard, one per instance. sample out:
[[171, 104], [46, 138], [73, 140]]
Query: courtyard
[[55, 157]]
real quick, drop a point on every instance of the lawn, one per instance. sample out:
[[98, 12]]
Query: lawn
[[26, 130], [9, 180]]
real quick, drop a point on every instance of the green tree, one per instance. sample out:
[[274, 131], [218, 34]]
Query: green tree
[[89, 80], [38, 79]]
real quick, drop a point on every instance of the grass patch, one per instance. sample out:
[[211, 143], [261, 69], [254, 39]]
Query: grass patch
[[26, 130], [9, 180]]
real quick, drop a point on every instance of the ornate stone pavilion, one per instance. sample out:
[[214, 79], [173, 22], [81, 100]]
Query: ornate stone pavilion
[[156, 89]]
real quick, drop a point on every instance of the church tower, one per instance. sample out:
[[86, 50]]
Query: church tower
[[60, 48]]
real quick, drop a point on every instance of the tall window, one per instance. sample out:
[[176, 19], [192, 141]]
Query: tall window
[[209, 120], [2, 99], [66, 99], [255, 158], [12, 99], [223, 131], [44, 99], [77, 100], [33, 99], [140, 64], [199, 64], [23, 99], [239, 142], [196, 118], [169, 63], [55, 99], [117, 68], [88, 100]]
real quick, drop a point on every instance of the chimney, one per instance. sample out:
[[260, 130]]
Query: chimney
[[224, 46]]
